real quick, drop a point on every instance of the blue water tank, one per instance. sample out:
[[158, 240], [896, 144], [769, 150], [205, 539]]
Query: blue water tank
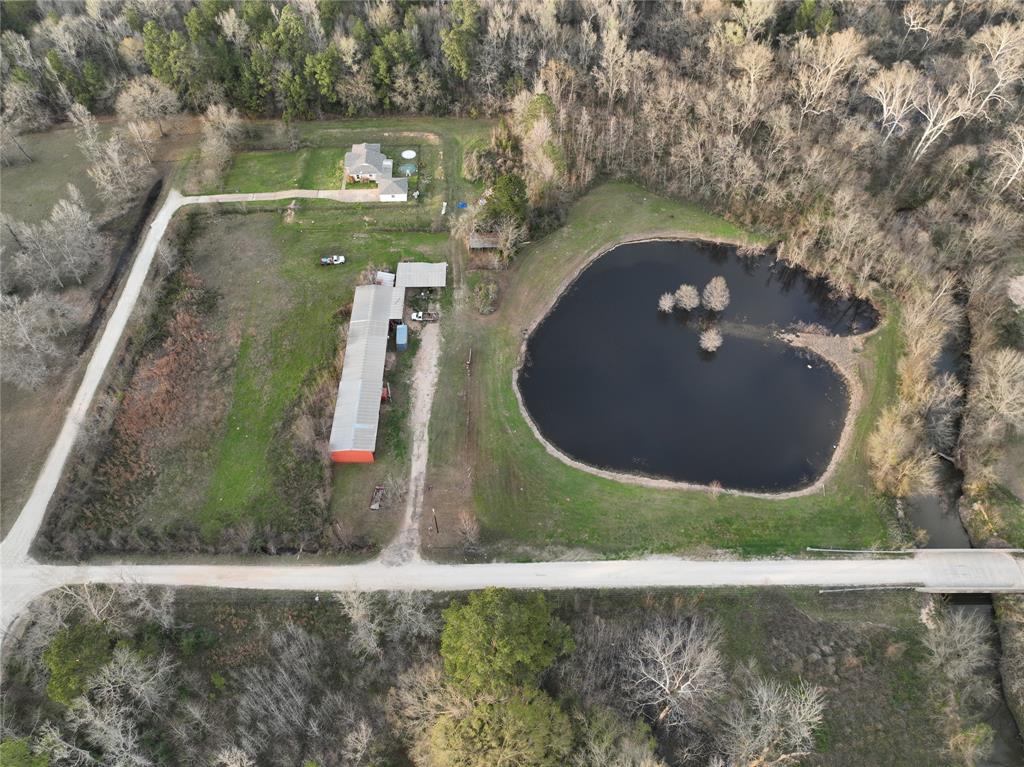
[[402, 337]]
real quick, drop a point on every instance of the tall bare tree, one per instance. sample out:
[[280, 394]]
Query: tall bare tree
[[147, 99], [29, 329], [675, 670]]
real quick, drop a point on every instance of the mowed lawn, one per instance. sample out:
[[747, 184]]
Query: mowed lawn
[[283, 308], [527, 500]]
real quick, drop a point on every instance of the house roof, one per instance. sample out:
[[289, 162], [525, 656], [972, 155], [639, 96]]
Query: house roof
[[420, 274], [366, 158], [357, 410], [393, 186], [483, 241]]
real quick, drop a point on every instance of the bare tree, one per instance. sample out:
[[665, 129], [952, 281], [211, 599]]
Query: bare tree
[[366, 620], [147, 99], [222, 126], [29, 329], [823, 64], [675, 669], [716, 294], [66, 246], [900, 463], [711, 339], [275, 697], [1007, 164], [511, 232], [119, 171], [772, 724], [687, 298], [894, 91], [11, 141], [87, 130], [420, 697], [233, 756], [998, 391], [666, 303]]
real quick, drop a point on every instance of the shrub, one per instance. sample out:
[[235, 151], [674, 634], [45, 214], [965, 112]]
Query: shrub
[[15, 752], [75, 655], [508, 199], [485, 296], [527, 729], [666, 303]]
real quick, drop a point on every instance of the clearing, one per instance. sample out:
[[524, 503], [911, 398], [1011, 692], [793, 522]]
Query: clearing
[[529, 504]]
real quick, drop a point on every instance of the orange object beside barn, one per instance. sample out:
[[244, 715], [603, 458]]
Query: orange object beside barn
[[352, 456]]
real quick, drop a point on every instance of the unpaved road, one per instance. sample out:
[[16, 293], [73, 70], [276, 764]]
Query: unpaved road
[[974, 570], [400, 567], [406, 545]]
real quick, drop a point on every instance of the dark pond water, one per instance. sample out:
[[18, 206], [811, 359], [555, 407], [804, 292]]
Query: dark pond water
[[616, 384]]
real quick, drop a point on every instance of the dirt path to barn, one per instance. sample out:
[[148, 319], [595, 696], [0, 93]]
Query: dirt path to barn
[[406, 545]]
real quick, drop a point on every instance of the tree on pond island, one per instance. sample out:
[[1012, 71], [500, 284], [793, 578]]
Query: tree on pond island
[[687, 297], [716, 294], [498, 640], [710, 340], [666, 303]]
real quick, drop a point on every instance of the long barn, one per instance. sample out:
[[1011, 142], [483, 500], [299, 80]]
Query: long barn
[[357, 411]]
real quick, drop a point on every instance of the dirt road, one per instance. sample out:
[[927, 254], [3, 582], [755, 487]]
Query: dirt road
[[406, 545]]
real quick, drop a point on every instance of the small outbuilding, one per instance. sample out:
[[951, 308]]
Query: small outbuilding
[[419, 274], [483, 241], [402, 337], [393, 189]]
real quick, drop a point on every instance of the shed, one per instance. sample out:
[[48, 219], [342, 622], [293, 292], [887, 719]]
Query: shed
[[483, 241], [357, 410], [421, 274], [384, 278], [402, 337]]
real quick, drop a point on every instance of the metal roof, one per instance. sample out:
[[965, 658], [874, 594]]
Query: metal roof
[[483, 241], [397, 303], [420, 274], [357, 411]]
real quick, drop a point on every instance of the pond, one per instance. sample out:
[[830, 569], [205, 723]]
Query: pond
[[615, 384]]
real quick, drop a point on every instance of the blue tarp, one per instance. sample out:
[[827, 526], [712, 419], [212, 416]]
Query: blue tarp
[[461, 204], [402, 337]]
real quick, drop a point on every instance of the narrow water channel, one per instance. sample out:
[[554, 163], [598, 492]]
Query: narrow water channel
[[937, 515]]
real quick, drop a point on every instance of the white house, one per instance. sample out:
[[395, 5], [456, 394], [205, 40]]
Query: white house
[[365, 162]]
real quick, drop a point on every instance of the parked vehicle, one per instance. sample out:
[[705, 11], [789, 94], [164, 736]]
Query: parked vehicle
[[425, 316], [331, 260]]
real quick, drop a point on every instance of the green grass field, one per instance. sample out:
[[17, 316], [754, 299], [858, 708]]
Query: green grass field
[[524, 497], [284, 305]]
